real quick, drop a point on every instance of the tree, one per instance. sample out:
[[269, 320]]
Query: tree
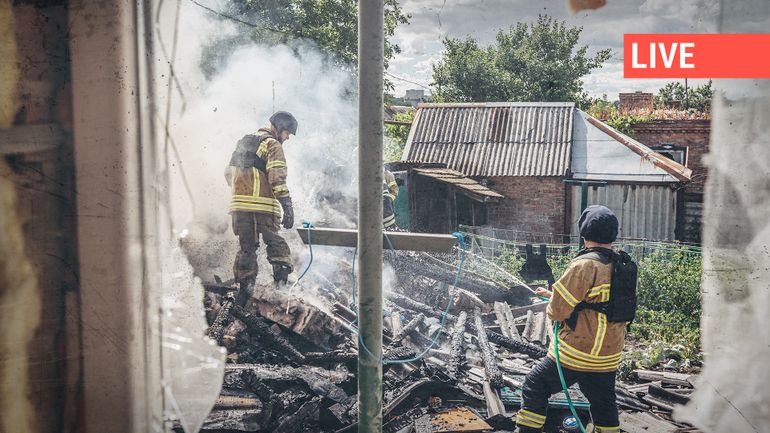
[[331, 24], [397, 134], [695, 98], [539, 61]]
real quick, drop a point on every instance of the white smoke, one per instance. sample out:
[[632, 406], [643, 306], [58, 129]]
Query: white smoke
[[246, 87]]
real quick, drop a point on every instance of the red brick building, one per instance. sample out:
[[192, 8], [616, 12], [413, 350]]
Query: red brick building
[[684, 140]]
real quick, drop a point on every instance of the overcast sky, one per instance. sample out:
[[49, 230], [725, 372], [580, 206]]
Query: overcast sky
[[420, 41]]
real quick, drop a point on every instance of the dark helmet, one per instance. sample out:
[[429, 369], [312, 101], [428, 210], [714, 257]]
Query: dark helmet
[[284, 121]]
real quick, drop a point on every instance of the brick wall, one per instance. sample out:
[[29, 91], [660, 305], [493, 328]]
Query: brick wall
[[693, 134], [531, 204], [635, 102]]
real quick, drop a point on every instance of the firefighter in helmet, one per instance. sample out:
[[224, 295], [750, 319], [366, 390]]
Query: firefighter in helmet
[[389, 194], [261, 201]]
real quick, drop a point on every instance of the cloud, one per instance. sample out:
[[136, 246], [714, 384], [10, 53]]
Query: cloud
[[602, 28]]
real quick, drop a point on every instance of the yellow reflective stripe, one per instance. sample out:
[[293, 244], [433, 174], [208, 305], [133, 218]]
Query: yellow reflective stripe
[[532, 415], [262, 149], [530, 419], [598, 290], [280, 188], [569, 362], [276, 163], [256, 199], [600, 429], [254, 173], [601, 331], [526, 423], [390, 196], [575, 353], [245, 207], [387, 222], [561, 290]]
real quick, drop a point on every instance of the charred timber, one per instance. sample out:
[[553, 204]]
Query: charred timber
[[224, 316], [456, 354], [257, 326], [408, 329], [486, 290], [410, 304], [320, 381], [494, 375], [518, 346]]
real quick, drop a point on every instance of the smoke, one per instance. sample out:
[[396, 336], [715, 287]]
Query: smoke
[[232, 91]]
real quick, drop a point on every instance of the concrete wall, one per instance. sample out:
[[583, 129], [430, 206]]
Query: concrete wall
[[531, 204]]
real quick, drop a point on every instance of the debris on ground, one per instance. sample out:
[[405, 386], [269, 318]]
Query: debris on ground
[[293, 357]]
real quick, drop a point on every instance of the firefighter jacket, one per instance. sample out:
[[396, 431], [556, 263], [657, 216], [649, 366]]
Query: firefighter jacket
[[389, 193], [257, 189], [595, 345], [390, 181]]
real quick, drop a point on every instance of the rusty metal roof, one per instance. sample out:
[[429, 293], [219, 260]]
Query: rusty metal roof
[[460, 181], [494, 139]]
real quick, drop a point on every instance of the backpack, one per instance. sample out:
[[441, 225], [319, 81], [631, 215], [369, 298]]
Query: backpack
[[245, 153], [622, 304]]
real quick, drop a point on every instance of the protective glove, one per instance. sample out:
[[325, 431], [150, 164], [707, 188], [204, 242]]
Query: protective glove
[[288, 212]]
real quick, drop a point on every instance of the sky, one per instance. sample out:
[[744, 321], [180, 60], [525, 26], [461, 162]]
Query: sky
[[432, 20]]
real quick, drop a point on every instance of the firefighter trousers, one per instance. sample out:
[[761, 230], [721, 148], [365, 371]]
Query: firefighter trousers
[[249, 226], [543, 381]]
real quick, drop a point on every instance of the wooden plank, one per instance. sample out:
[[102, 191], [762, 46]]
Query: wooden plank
[[30, 138], [666, 377], [400, 240], [644, 422], [536, 308]]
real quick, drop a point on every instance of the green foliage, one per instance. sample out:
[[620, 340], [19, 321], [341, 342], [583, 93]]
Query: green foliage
[[510, 260], [540, 61], [331, 24], [394, 148], [601, 108], [625, 124], [695, 98], [669, 281], [668, 319]]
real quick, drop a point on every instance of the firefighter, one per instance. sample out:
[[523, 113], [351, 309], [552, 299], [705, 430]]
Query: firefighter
[[590, 352], [389, 194], [261, 201]]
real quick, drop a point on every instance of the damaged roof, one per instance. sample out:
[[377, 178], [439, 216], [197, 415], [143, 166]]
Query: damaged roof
[[494, 138], [462, 182], [533, 139]]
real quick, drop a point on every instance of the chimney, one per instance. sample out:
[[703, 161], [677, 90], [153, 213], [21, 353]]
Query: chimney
[[637, 103]]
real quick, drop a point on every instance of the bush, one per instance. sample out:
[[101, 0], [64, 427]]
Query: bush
[[668, 294]]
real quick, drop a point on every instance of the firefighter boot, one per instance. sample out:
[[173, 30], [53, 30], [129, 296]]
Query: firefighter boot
[[245, 290], [281, 272]]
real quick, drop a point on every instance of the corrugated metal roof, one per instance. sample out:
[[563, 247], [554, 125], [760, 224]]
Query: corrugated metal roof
[[459, 180], [494, 139]]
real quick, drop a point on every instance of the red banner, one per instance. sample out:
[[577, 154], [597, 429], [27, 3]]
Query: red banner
[[696, 56]]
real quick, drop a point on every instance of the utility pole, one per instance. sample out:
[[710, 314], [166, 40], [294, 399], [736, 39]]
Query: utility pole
[[370, 130], [584, 184]]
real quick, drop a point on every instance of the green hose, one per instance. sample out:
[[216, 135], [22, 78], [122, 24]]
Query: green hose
[[561, 373], [561, 376]]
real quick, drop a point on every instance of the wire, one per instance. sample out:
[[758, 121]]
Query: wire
[[403, 79], [434, 341], [308, 226]]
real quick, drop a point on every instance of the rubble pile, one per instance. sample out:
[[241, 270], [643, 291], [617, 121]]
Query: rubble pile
[[293, 357]]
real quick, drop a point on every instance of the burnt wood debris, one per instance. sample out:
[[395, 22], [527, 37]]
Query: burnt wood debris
[[291, 364]]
